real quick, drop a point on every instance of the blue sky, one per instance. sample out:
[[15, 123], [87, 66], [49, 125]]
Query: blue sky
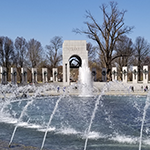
[[44, 19]]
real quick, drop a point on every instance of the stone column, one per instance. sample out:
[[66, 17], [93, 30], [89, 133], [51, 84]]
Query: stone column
[[55, 73], [1, 71], [24, 75], [135, 74], [104, 74], [13, 75], [124, 74], [145, 74], [114, 73], [34, 75], [65, 73], [68, 73], [44, 75], [3, 75]]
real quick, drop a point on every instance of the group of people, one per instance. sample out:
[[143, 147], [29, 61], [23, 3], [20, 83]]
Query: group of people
[[58, 89], [145, 88]]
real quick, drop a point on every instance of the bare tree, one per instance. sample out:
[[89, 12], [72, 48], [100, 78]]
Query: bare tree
[[2, 52], [125, 48], [54, 53], [6, 52], [108, 33], [21, 54], [21, 51], [92, 61], [91, 51], [142, 49], [34, 53]]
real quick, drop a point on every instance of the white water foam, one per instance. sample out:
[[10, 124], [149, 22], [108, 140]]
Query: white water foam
[[72, 131], [125, 139], [22, 124], [67, 131], [94, 135], [49, 129], [146, 141], [28, 125], [7, 119], [33, 126]]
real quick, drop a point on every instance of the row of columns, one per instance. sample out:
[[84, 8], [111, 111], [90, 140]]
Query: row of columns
[[134, 74], [3, 75]]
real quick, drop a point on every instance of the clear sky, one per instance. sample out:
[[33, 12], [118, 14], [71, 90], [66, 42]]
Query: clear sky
[[44, 19]]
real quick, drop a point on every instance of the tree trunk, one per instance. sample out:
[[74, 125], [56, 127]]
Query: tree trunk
[[139, 68], [139, 73], [108, 66]]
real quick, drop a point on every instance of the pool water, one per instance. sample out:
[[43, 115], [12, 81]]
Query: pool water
[[116, 125]]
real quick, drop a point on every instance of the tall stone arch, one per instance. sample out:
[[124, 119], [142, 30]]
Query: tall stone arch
[[71, 49]]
